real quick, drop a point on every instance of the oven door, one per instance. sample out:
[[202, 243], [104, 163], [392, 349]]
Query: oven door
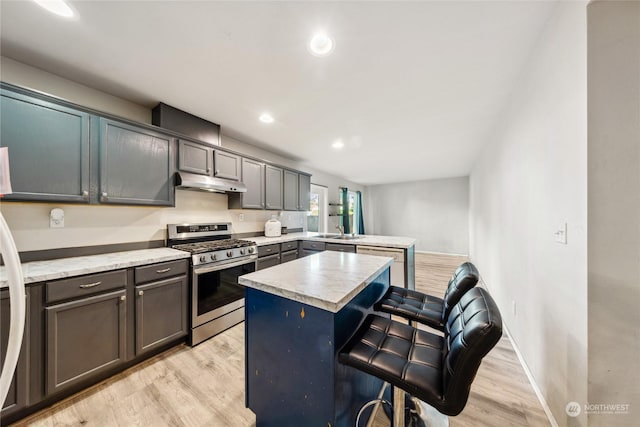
[[216, 291]]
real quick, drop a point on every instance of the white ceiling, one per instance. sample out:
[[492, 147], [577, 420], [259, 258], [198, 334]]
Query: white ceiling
[[413, 89]]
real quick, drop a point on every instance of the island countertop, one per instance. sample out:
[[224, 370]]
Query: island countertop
[[326, 280]]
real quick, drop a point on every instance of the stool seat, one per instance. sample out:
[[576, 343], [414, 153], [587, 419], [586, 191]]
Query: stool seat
[[427, 309], [436, 369], [398, 354]]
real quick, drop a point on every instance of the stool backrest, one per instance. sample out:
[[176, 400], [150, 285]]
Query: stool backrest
[[464, 278], [473, 328]]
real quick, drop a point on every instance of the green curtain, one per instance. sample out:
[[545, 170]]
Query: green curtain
[[360, 226], [345, 209]]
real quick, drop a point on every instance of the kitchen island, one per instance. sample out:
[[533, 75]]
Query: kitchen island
[[297, 317]]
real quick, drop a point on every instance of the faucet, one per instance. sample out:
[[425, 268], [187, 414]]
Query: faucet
[[341, 229]]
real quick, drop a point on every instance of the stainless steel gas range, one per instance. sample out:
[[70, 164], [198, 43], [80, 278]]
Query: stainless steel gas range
[[217, 260]]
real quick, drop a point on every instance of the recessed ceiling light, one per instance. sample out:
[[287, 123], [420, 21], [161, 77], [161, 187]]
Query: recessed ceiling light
[[321, 45], [59, 7], [266, 118], [338, 144]]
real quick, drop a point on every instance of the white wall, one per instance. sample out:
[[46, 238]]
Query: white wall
[[614, 209], [435, 212], [531, 178]]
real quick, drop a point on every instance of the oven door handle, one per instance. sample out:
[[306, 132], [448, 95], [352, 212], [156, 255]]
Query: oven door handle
[[222, 266]]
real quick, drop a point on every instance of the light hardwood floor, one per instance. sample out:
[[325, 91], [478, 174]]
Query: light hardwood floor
[[204, 385]]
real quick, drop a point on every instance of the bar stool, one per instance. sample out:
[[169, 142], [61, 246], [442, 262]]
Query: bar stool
[[437, 370], [429, 310]]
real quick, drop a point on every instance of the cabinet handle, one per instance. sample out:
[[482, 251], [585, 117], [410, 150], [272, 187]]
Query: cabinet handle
[[216, 172], [104, 195], [268, 250], [140, 293], [122, 298], [85, 194], [90, 285], [164, 270]]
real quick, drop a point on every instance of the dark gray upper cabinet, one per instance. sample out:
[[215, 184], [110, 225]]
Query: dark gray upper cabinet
[[17, 395], [273, 187], [48, 149], [226, 165], [135, 165], [253, 179], [290, 191], [194, 158], [304, 192]]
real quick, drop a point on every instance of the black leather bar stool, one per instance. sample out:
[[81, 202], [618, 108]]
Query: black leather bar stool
[[437, 370], [429, 310]]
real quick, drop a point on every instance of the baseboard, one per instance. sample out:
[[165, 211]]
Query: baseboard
[[532, 381]]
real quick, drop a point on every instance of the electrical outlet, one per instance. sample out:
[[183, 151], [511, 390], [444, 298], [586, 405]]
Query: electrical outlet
[[513, 307], [241, 217], [561, 234], [56, 218]]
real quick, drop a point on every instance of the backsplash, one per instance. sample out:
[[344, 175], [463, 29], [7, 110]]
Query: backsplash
[[103, 225]]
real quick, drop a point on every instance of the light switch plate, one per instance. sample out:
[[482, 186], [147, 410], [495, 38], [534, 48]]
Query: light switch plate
[[561, 234]]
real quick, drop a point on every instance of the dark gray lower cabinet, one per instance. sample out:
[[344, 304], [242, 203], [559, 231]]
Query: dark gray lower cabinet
[[17, 396], [84, 338], [268, 261], [161, 313], [338, 247], [288, 256]]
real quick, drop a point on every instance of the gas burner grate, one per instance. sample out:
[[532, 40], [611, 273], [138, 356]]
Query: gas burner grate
[[213, 245]]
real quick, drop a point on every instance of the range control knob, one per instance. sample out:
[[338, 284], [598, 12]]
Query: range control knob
[[203, 258], [250, 250], [213, 257], [242, 252], [229, 254]]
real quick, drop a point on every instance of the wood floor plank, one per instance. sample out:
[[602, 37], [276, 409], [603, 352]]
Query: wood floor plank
[[204, 385]]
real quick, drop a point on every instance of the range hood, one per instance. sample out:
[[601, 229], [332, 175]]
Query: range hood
[[191, 181]]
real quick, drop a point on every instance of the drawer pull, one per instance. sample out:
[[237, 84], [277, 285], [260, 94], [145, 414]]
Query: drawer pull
[[90, 285], [123, 298], [140, 293], [164, 270], [268, 250]]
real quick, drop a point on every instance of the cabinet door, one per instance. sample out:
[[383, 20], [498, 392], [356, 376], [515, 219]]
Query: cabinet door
[[253, 178], [290, 191], [84, 338], [48, 149], [161, 313], [273, 187], [288, 256], [304, 192], [227, 165], [135, 165], [194, 158], [17, 395]]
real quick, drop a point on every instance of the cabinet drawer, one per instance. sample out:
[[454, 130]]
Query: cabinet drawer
[[340, 247], [85, 285], [267, 261], [288, 246], [161, 270], [288, 256], [268, 250], [315, 246]]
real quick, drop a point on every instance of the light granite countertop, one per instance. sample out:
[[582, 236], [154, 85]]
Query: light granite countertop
[[365, 240], [326, 280], [39, 271]]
